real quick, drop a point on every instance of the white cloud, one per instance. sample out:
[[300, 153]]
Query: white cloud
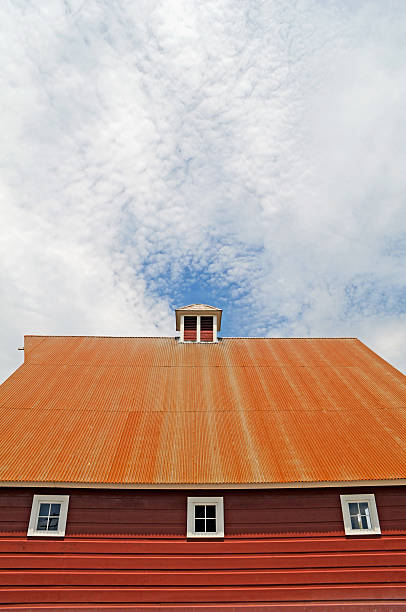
[[257, 148]]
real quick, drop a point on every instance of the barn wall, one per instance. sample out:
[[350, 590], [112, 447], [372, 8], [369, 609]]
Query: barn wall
[[129, 547]]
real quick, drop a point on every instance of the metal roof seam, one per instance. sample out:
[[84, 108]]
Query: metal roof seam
[[215, 410]]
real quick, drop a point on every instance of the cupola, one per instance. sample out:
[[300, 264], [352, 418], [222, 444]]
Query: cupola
[[198, 323]]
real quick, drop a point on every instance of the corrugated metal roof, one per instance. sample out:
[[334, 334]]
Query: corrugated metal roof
[[243, 411]]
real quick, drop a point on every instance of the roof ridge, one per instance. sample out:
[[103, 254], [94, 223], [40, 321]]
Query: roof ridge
[[90, 336], [176, 337]]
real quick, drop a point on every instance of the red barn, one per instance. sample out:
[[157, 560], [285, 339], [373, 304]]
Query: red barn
[[202, 473]]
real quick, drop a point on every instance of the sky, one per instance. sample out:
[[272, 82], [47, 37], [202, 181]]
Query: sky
[[247, 154]]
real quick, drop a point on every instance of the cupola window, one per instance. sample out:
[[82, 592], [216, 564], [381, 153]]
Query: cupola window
[[190, 329], [206, 329], [198, 323]]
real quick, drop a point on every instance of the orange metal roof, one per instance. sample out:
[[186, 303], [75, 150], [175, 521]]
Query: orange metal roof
[[243, 411]]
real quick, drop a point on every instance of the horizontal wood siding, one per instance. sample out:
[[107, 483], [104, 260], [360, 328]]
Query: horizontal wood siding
[[129, 548]]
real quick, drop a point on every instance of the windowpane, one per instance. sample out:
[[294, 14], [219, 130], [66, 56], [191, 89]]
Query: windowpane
[[44, 510], [206, 323], [364, 522], [53, 524], [211, 511], [199, 511], [55, 509], [359, 514], [354, 522], [190, 323], [42, 524], [211, 525], [200, 525]]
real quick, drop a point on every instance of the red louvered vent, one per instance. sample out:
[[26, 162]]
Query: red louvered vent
[[190, 329], [206, 329]]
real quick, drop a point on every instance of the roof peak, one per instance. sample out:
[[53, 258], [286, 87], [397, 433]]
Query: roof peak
[[198, 307]]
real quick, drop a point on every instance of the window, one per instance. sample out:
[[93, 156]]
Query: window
[[206, 329], [198, 328], [205, 517], [48, 515], [190, 329], [360, 514]]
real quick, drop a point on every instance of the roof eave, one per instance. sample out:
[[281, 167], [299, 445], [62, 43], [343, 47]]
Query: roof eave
[[218, 485]]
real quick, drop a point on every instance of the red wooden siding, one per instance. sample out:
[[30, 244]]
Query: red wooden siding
[[190, 328], [129, 548], [206, 329]]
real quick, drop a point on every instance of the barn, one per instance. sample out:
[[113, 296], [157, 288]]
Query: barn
[[201, 472]]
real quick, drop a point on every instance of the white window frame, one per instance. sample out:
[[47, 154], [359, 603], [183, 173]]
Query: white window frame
[[48, 499], [182, 328], [373, 513], [197, 501]]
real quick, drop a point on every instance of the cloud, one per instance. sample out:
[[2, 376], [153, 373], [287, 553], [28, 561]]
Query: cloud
[[252, 152]]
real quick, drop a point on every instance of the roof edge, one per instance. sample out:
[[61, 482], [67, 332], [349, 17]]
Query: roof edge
[[222, 337], [387, 363], [255, 485]]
